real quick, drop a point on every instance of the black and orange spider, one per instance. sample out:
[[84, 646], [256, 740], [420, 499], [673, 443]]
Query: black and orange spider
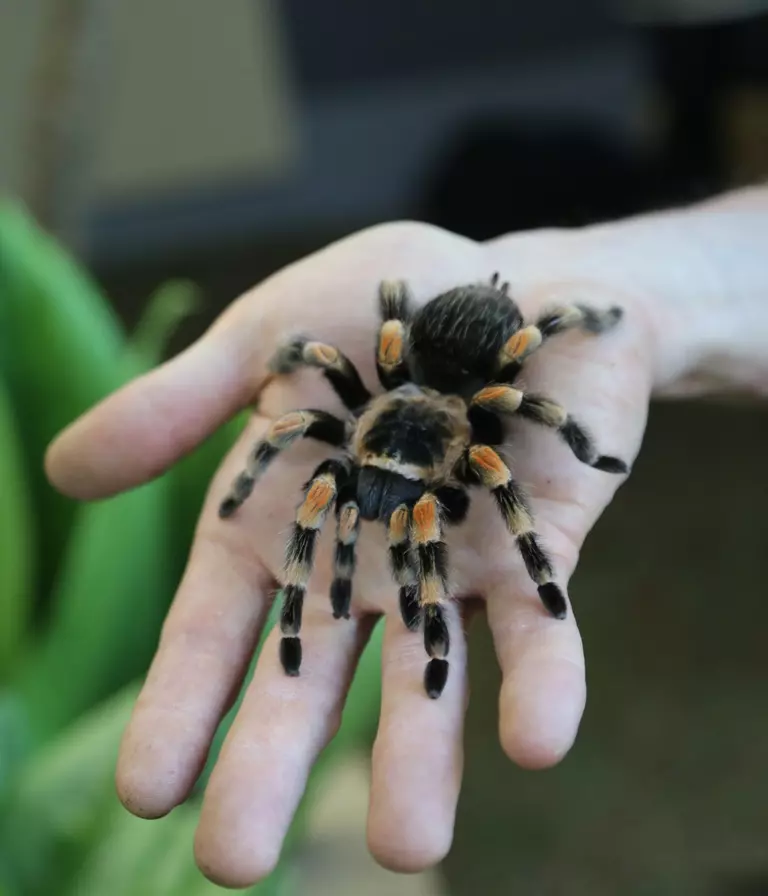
[[408, 456]]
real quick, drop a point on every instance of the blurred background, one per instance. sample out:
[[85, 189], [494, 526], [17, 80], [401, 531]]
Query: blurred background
[[157, 158]]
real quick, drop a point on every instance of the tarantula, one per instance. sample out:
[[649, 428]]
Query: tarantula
[[407, 457]]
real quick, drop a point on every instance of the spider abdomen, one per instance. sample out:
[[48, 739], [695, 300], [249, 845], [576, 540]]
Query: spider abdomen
[[455, 339]]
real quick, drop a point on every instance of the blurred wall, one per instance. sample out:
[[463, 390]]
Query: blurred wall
[[20, 29], [181, 94], [663, 793], [198, 96]]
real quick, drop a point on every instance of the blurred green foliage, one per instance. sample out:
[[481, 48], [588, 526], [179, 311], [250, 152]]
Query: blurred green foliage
[[79, 616]]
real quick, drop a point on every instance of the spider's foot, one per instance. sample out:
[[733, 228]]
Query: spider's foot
[[435, 677], [290, 655], [554, 600], [341, 598], [601, 321], [227, 507], [610, 464], [239, 493]]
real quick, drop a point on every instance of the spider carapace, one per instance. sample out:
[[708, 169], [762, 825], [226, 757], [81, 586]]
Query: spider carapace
[[407, 458]]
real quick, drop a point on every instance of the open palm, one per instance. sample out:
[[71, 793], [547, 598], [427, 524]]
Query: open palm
[[223, 600]]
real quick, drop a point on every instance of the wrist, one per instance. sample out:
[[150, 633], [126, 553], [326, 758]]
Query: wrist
[[696, 279], [703, 271]]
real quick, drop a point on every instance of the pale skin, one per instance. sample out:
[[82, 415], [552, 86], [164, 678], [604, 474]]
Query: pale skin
[[694, 285]]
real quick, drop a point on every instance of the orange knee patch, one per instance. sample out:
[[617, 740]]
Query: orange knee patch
[[320, 494], [522, 343], [290, 423], [502, 398], [426, 522], [492, 469], [391, 343], [398, 525], [321, 354], [490, 393]]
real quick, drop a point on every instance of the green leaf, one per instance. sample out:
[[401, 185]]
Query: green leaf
[[60, 342], [14, 738], [125, 859], [55, 807], [134, 857], [16, 539], [169, 305], [108, 605]]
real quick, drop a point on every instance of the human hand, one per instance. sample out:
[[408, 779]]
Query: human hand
[[223, 599]]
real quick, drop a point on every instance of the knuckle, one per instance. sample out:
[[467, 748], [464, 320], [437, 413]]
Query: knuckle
[[394, 232]]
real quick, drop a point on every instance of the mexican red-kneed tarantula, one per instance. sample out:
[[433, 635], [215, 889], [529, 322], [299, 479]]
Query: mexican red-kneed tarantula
[[408, 457]]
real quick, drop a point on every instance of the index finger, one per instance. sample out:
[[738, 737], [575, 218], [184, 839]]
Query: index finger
[[139, 431]]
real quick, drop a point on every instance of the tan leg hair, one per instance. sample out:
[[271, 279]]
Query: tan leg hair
[[344, 561], [427, 535], [512, 504], [495, 475], [432, 555], [395, 300], [283, 432], [319, 497], [310, 517], [556, 320], [520, 345], [578, 316], [401, 562], [391, 342], [395, 307], [338, 370], [499, 399], [506, 400]]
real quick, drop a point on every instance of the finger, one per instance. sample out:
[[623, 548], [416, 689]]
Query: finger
[[143, 428], [543, 691], [206, 645], [283, 724], [418, 754]]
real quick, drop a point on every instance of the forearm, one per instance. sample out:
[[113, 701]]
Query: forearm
[[698, 275]]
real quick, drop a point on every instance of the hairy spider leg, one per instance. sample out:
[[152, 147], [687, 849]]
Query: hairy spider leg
[[306, 424], [395, 311], [401, 562], [319, 495], [484, 465], [527, 340], [431, 556], [340, 372], [504, 401], [347, 532]]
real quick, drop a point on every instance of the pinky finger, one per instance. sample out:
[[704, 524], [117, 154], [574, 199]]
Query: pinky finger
[[543, 690]]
